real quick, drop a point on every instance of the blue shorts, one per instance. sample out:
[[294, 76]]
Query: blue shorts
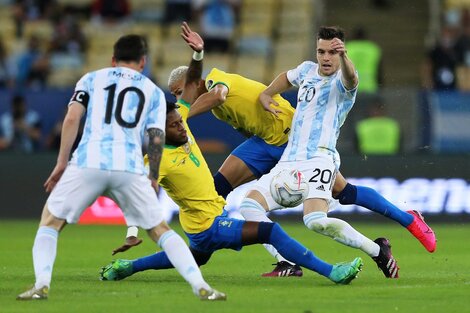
[[259, 156], [224, 233]]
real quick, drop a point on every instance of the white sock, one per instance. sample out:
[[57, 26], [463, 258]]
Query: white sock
[[340, 231], [44, 253], [179, 255], [252, 211]]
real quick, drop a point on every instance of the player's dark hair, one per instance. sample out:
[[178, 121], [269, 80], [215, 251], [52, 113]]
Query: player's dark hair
[[330, 32], [170, 106], [130, 48]]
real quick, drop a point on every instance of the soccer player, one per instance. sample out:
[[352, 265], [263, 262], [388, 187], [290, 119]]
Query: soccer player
[[120, 104], [233, 99], [327, 92], [202, 215]]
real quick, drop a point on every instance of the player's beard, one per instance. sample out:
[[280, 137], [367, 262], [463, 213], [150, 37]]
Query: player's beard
[[176, 143]]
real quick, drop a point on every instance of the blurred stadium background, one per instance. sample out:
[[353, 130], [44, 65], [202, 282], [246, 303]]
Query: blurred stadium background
[[431, 172]]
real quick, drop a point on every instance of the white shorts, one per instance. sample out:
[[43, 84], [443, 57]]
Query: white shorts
[[78, 188], [319, 172]]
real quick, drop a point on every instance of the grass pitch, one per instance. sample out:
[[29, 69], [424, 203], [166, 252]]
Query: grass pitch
[[438, 282]]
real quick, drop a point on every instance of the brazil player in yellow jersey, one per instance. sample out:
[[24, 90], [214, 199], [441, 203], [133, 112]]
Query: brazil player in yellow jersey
[[233, 99], [203, 218]]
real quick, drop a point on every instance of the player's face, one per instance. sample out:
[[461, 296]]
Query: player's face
[[175, 132], [328, 58], [176, 88]]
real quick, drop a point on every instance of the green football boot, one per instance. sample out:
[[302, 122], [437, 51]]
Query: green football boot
[[344, 273], [117, 270]]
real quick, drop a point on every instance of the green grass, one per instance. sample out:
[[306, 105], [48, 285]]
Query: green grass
[[438, 282]]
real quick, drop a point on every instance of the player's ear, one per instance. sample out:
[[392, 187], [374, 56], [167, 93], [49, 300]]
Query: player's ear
[[113, 62], [143, 61]]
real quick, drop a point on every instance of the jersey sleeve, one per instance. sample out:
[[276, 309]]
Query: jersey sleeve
[[217, 77], [81, 93], [156, 117], [350, 94], [296, 75]]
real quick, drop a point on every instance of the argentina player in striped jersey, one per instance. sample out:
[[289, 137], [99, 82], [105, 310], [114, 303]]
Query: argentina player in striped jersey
[[120, 105], [327, 91]]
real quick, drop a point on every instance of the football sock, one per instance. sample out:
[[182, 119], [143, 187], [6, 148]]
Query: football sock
[[179, 255], [44, 253], [156, 261], [372, 200], [292, 249], [222, 186], [252, 211], [340, 231]]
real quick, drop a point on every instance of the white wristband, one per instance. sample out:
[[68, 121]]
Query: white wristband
[[197, 56], [132, 231]]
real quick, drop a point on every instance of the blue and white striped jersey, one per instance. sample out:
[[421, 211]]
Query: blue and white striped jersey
[[121, 104], [322, 106]]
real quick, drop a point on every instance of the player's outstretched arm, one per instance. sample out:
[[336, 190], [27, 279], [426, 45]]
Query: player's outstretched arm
[[350, 79], [131, 240], [278, 85], [194, 73]]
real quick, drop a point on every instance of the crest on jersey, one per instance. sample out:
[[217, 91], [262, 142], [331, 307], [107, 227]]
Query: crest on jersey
[[209, 84], [187, 147]]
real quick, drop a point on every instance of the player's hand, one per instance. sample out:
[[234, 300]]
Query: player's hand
[[54, 177], [192, 38], [338, 45], [131, 241], [267, 102]]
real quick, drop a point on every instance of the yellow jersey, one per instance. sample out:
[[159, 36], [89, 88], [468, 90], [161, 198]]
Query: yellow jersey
[[242, 109], [187, 179]]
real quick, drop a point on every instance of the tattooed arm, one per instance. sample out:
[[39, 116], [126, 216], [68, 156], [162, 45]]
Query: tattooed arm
[[155, 150]]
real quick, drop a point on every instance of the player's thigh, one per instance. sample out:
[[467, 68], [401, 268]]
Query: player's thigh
[[339, 184], [224, 233], [137, 199], [236, 171], [76, 190], [257, 156], [319, 172]]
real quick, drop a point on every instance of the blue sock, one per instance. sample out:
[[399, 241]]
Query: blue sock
[[372, 200], [156, 261], [292, 250], [222, 185]]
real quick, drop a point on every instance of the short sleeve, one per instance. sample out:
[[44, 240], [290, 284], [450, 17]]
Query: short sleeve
[[296, 75], [217, 77], [350, 94], [156, 117], [81, 93]]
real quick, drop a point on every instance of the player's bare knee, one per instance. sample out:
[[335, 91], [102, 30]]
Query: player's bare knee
[[258, 197], [156, 232], [49, 220]]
